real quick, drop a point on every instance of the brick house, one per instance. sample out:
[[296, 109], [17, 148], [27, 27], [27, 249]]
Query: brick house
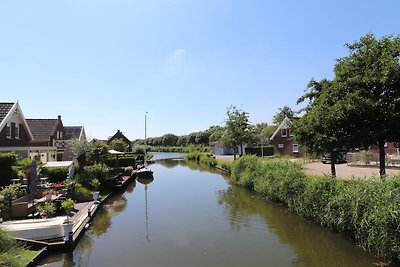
[[119, 135], [16, 135], [283, 142]]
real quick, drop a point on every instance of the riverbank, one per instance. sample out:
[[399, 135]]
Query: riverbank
[[31, 233], [365, 211], [209, 160]]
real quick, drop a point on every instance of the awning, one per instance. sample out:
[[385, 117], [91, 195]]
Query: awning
[[53, 164]]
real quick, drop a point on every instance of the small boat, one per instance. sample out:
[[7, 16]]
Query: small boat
[[144, 171]]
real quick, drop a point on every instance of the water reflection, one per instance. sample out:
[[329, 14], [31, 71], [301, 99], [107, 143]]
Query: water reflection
[[194, 218], [145, 181], [314, 246], [171, 163]]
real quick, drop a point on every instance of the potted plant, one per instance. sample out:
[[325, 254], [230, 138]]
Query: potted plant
[[68, 205], [95, 184], [48, 193], [47, 209]]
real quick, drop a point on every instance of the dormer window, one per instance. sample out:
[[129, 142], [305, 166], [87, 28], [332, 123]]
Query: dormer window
[[284, 132], [8, 130], [17, 131]]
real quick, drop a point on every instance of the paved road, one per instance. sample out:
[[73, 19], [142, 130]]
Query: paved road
[[342, 170], [345, 171]]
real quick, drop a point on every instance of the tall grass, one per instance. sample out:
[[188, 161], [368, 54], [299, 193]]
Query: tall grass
[[9, 249], [367, 211]]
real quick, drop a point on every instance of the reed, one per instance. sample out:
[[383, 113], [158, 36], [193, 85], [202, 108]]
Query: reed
[[367, 211]]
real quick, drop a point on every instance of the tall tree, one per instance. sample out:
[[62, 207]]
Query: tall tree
[[333, 121], [372, 70], [238, 129], [286, 111]]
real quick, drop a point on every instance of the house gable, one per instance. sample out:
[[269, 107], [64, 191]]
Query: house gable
[[46, 130], [74, 132], [14, 130], [283, 142], [119, 135]]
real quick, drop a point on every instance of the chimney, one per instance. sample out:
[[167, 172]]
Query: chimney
[[59, 117]]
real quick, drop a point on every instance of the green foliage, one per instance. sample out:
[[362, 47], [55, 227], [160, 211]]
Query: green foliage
[[55, 174], [68, 205], [366, 211], [9, 249], [82, 152], [266, 151], [95, 183], [80, 193], [98, 152], [97, 171], [124, 160], [10, 193], [7, 160], [118, 145], [138, 149], [47, 208], [361, 105], [238, 128], [286, 111], [60, 155], [204, 158]]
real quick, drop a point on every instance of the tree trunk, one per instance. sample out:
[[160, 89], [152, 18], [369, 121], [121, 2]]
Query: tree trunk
[[333, 161], [234, 153], [382, 154]]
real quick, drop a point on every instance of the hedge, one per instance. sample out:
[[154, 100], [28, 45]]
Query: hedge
[[367, 211]]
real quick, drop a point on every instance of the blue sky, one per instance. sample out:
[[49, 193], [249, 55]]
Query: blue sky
[[104, 63]]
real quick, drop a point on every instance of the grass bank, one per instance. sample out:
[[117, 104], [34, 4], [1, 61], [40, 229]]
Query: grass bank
[[367, 211], [208, 159]]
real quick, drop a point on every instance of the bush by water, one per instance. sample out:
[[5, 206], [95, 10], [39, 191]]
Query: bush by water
[[367, 211]]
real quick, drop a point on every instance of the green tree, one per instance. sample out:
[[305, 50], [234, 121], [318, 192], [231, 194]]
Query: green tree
[[332, 122], [238, 129], [82, 151], [98, 152], [216, 133], [118, 145], [267, 132], [282, 113], [169, 139], [372, 71]]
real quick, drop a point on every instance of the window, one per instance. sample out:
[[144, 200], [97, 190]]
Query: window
[[280, 145], [283, 132], [295, 148], [17, 131], [8, 130], [61, 135]]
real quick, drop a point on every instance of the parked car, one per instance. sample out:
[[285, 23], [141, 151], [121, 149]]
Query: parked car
[[340, 157]]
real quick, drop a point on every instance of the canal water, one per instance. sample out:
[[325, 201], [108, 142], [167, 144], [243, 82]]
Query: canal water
[[191, 216]]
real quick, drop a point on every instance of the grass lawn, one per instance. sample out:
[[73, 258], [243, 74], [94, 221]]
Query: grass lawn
[[26, 256]]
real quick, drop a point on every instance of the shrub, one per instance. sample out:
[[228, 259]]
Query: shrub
[[47, 208], [201, 157], [10, 193], [55, 174], [98, 171], [81, 193], [365, 210], [60, 155], [7, 160], [8, 249]]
